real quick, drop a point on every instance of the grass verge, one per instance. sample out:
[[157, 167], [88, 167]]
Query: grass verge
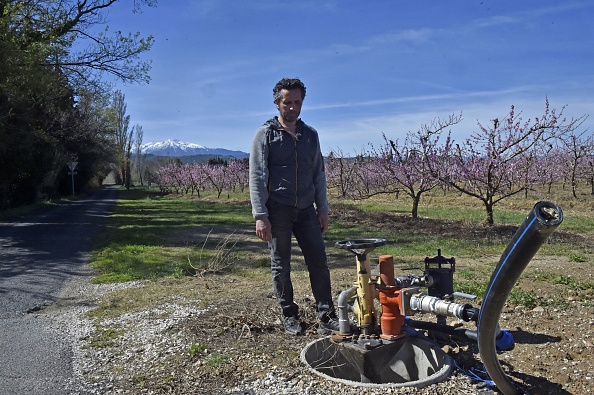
[[138, 242], [151, 237]]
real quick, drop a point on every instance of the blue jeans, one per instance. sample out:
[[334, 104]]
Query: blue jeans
[[287, 221]]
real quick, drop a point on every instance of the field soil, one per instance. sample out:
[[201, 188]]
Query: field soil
[[234, 341]]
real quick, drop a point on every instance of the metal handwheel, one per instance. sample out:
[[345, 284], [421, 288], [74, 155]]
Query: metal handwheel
[[360, 244]]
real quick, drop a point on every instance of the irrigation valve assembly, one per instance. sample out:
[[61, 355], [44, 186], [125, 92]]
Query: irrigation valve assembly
[[399, 297], [375, 314]]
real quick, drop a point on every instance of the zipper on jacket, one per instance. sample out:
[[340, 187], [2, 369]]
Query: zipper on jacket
[[296, 165], [296, 173]]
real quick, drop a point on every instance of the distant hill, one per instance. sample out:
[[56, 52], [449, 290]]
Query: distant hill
[[176, 148]]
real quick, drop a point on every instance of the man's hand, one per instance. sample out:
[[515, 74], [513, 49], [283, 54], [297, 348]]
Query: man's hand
[[324, 221], [263, 229]]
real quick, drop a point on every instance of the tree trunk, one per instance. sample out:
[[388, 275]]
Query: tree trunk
[[415, 207], [128, 174], [489, 209], [123, 175]]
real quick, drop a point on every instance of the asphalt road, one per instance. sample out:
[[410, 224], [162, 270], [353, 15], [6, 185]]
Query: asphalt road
[[39, 254]]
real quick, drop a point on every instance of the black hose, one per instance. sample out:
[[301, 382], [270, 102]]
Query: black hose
[[457, 333], [504, 339], [541, 221]]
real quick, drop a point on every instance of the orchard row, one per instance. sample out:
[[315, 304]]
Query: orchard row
[[510, 157]]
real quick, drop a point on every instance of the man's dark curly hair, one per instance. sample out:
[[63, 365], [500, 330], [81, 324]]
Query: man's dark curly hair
[[288, 84]]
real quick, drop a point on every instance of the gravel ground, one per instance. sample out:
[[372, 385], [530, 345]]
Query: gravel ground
[[173, 347], [69, 316], [153, 336]]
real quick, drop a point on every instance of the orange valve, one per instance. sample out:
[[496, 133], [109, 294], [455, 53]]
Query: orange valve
[[390, 297]]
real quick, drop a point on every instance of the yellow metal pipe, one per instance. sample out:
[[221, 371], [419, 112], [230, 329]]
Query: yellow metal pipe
[[366, 293]]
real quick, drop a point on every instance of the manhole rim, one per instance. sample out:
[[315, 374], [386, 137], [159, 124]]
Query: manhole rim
[[439, 376]]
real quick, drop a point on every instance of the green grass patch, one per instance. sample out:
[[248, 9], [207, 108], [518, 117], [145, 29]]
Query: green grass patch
[[140, 262], [472, 287], [571, 282], [518, 297], [261, 263], [196, 349], [133, 246], [577, 257], [216, 360], [576, 222], [141, 217], [103, 338]]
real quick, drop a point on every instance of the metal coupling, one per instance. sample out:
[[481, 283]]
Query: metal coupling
[[430, 304]]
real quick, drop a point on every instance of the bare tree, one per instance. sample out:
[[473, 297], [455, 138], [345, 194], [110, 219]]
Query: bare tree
[[139, 156], [121, 123], [341, 173], [128, 159], [577, 147]]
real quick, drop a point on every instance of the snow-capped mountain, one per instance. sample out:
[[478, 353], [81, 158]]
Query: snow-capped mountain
[[180, 148]]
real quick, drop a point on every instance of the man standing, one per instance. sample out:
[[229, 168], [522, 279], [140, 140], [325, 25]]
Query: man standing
[[288, 195]]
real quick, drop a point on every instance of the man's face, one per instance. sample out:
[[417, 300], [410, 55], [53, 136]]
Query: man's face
[[289, 105]]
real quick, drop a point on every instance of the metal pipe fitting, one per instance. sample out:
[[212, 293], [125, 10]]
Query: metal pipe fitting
[[430, 304], [344, 324]]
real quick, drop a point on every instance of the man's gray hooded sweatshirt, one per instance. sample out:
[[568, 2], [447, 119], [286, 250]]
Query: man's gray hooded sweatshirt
[[286, 170]]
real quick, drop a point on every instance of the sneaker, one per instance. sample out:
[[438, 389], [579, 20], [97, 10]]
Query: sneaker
[[293, 326], [329, 327]]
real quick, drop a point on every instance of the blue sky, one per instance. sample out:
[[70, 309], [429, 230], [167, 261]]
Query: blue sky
[[370, 67]]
